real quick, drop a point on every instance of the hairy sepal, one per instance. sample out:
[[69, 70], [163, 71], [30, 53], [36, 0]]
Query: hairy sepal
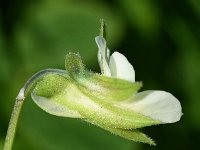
[[67, 93]]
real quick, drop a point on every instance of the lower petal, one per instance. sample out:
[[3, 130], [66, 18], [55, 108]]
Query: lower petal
[[159, 105]]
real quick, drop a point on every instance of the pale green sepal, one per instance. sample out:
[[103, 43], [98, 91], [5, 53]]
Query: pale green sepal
[[91, 108], [133, 135], [52, 84], [49, 86], [108, 88], [74, 64], [54, 108], [130, 134]]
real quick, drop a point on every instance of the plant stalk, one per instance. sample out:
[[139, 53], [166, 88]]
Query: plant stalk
[[13, 124], [29, 85]]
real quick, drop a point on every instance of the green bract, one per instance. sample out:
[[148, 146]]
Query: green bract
[[94, 98]]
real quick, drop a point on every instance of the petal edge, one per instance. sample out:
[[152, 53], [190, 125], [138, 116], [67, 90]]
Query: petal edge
[[159, 105]]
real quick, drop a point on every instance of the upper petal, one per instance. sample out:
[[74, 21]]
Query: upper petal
[[121, 68], [103, 55], [101, 43], [159, 105]]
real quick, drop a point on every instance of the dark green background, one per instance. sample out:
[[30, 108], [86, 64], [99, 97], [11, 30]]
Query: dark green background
[[160, 38]]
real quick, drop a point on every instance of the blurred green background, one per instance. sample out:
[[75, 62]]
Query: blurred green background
[[160, 38]]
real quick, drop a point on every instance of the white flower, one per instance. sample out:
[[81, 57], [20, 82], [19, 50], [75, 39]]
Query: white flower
[[159, 105]]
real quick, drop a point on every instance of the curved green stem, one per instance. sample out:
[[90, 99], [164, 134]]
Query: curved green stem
[[27, 88], [13, 124]]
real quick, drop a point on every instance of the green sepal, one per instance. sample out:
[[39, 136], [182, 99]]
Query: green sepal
[[96, 85], [91, 108], [74, 64], [107, 88], [133, 135], [52, 84], [45, 91]]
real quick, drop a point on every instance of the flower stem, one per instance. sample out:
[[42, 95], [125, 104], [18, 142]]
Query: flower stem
[[13, 124], [29, 85]]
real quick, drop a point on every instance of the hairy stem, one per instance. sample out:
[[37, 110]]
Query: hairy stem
[[27, 88], [13, 124]]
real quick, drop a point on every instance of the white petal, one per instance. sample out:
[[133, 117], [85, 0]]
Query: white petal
[[101, 43], [103, 57], [121, 68], [108, 54], [159, 105]]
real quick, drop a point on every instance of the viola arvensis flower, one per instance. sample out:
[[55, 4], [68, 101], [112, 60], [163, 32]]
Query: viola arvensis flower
[[109, 100]]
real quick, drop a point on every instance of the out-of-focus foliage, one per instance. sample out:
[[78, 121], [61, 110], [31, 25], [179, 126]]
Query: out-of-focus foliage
[[160, 38], [62, 26]]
